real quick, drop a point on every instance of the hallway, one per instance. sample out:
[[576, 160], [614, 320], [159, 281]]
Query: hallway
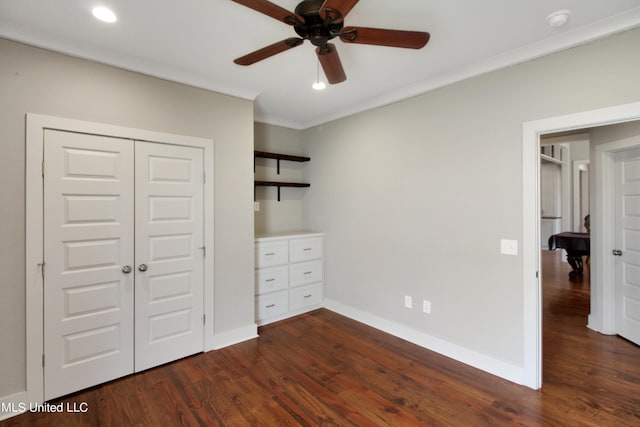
[[584, 371]]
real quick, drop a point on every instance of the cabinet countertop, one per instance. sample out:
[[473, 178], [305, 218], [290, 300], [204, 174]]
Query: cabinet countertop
[[263, 237]]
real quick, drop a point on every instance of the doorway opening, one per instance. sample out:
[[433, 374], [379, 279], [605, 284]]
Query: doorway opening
[[601, 269]]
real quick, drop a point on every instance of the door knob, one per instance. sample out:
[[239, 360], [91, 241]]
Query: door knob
[[617, 252], [143, 267], [126, 269]]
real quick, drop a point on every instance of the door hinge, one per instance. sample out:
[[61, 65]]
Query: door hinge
[[204, 178], [43, 360], [537, 274], [41, 265], [204, 250], [204, 319], [43, 168]]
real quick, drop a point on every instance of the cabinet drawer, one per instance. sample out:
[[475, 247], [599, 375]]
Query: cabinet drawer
[[272, 305], [305, 249], [305, 296], [272, 279], [271, 253], [305, 273]]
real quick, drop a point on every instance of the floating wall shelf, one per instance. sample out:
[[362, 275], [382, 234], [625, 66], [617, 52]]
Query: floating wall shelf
[[278, 157]]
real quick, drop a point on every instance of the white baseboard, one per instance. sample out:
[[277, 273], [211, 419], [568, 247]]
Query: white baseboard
[[12, 405], [234, 336], [472, 358]]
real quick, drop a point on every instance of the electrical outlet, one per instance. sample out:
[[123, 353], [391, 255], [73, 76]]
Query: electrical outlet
[[426, 306], [408, 303], [256, 206]]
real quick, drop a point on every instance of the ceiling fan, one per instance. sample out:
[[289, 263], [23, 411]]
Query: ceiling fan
[[320, 21]]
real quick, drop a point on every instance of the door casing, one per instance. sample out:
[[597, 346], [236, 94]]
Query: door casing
[[35, 127], [602, 230]]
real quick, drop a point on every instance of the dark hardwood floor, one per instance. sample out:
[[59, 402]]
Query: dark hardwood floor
[[324, 369]]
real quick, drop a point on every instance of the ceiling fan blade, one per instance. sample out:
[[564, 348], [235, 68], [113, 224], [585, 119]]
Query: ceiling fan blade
[[381, 37], [272, 10], [342, 6], [268, 51], [331, 64]]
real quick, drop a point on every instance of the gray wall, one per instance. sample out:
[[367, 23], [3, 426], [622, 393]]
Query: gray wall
[[39, 81], [414, 197], [285, 215]]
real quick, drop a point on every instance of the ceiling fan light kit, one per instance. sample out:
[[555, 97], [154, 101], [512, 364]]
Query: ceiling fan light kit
[[320, 21], [318, 85]]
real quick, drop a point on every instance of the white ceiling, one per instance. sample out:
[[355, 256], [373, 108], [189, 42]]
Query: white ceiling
[[195, 42]]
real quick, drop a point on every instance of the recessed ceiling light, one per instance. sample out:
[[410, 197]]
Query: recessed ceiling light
[[559, 18], [104, 14]]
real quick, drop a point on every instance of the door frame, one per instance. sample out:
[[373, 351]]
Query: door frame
[[532, 292], [576, 201], [34, 269]]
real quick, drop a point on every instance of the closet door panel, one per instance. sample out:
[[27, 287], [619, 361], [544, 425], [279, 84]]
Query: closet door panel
[[88, 239], [169, 255]]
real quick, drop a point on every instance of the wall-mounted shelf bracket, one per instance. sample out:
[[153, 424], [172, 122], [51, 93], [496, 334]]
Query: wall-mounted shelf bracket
[[277, 157], [278, 185]]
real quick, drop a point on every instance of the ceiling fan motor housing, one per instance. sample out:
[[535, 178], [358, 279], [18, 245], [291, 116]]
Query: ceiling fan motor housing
[[316, 29]]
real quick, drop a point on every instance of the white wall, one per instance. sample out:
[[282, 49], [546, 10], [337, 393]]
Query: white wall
[[285, 215], [40, 81], [414, 197]]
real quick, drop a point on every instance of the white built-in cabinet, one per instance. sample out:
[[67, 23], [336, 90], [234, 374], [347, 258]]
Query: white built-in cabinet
[[289, 275], [551, 191]]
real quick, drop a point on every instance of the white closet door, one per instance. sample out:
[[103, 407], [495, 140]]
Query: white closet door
[[88, 226], [169, 259]]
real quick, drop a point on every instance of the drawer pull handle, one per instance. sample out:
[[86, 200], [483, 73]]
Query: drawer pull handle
[[270, 280], [270, 306], [308, 296], [308, 272], [306, 249], [270, 254]]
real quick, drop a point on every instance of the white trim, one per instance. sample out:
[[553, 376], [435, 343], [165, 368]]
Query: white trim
[[464, 355], [567, 206], [561, 40], [235, 336], [36, 125], [577, 223], [531, 132], [564, 40]]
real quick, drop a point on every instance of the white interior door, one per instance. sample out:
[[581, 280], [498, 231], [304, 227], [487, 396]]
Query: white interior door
[[123, 238], [88, 238], [627, 243], [169, 255]]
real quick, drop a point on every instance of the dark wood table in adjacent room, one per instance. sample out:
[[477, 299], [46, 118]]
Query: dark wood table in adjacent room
[[577, 245]]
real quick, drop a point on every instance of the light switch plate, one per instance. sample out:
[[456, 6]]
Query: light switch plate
[[408, 303], [508, 247]]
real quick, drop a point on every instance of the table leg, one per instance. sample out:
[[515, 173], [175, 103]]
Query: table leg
[[575, 261]]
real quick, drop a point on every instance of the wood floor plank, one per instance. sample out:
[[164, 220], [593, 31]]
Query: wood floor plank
[[321, 368]]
